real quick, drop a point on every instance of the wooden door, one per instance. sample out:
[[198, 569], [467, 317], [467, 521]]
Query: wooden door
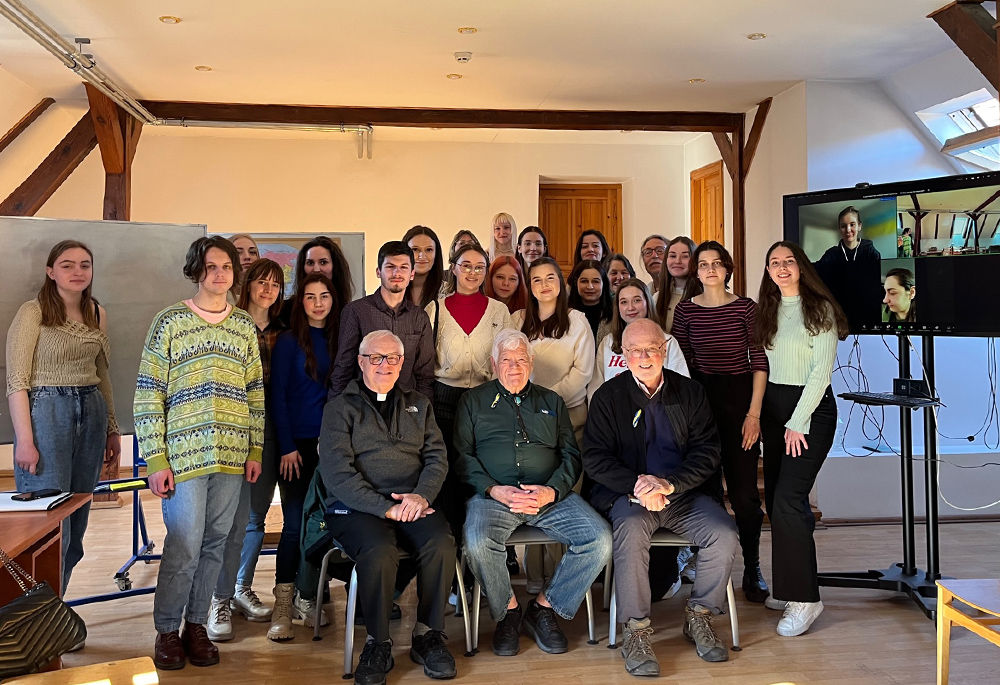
[[707, 204], [567, 210]]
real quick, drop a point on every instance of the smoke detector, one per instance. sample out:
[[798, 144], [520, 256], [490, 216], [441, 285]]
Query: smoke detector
[[463, 57]]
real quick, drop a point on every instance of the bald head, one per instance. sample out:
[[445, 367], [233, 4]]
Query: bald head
[[644, 344], [644, 328]]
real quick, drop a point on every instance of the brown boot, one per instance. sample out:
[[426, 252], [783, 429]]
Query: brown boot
[[200, 650], [168, 654]]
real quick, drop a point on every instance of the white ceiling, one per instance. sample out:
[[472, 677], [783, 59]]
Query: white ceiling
[[550, 54]]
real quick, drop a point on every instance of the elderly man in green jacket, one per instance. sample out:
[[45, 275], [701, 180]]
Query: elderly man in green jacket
[[518, 453]]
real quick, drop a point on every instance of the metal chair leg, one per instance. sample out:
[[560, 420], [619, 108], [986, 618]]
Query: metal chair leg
[[591, 628], [476, 601], [319, 593], [352, 605], [734, 621], [613, 622], [465, 609], [608, 570]]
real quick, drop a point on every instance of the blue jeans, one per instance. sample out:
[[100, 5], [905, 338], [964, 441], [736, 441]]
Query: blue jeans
[[246, 537], [198, 515], [572, 521], [70, 425]]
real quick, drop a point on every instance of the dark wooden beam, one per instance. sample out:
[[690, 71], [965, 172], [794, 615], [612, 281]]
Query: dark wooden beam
[[314, 115], [754, 138], [739, 213], [108, 125], [118, 187], [25, 122], [971, 28], [726, 149], [29, 197]]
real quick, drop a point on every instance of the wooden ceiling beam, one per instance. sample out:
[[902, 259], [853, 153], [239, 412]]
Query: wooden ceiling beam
[[726, 149], [314, 115], [755, 130], [108, 125], [971, 28], [25, 122], [29, 197]]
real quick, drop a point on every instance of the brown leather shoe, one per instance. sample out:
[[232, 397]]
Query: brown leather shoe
[[200, 650], [168, 654]]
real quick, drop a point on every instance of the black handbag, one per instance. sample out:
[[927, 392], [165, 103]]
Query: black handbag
[[36, 627]]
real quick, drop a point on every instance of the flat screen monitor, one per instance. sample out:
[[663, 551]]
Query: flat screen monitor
[[917, 257]]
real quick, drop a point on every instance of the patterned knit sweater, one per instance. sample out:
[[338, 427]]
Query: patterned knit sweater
[[199, 397]]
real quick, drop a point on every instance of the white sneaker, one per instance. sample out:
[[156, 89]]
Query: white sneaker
[[220, 621], [246, 602], [303, 611], [798, 617], [687, 566], [775, 604], [674, 589]]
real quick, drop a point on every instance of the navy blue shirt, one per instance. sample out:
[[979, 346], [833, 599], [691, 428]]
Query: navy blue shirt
[[663, 457], [297, 399]]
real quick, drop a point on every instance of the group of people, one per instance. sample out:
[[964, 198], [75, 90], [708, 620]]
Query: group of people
[[438, 414]]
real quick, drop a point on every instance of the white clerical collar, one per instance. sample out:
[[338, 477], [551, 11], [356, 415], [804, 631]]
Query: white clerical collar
[[380, 396], [643, 387]]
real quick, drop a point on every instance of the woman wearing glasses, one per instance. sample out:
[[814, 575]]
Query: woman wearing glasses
[[301, 363]]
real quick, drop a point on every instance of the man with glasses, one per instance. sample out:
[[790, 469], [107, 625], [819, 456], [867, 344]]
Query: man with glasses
[[518, 453], [652, 251], [389, 309], [382, 460], [652, 449]]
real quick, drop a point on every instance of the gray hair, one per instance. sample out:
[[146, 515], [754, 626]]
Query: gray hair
[[651, 237], [374, 336], [510, 339]]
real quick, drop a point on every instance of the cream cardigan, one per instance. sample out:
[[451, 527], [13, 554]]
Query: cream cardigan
[[463, 361], [564, 364]]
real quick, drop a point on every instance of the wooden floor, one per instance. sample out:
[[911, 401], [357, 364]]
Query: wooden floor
[[863, 637]]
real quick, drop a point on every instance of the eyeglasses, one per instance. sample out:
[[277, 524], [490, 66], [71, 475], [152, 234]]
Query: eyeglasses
[[639, 352], [650, 251], [467, 268], [377, 359]]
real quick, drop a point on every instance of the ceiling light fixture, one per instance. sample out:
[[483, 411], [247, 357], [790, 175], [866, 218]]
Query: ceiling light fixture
[[167, 19], [467, 30], [202, 67], [625, 130], [696, 80], [757, 36], [453, 77]]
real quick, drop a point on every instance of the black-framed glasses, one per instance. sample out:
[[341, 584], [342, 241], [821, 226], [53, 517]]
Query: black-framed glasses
[[377, 359], [650, 251]]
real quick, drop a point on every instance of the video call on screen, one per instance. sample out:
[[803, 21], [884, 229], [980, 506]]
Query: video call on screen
[[909, 263]]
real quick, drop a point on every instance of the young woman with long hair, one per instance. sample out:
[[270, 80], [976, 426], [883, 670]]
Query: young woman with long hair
[[714, 328], [301, 364], [591, 245], [620, 269], [321, 255], [502, 236], [462, 238], [673, 278], [531, 245], [798, 324], [246, 248], [428, 265], [505, 282], [632, 302], [261, 296], [590, 293], [59, 389]]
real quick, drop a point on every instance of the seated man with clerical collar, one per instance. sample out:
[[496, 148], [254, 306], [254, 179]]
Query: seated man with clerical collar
[[518, 453], [652, 450], [383, 460]]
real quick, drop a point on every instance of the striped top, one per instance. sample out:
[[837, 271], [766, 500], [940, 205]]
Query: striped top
[[797, 358], [199, 397], [716, 340]]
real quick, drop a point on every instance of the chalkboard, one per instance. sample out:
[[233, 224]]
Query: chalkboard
[[138, 270]]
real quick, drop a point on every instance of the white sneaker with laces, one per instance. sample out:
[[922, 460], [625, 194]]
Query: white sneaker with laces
[[220, 621], [798, 617], [775, 604], [674, 589], [246, 602], [303, 611]]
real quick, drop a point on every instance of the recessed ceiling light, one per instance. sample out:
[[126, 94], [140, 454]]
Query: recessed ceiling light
[[454, 77], [696, 80], [625, 130], [468, 30], [435, 128], [757, 36], [202, 67], [167, 19]]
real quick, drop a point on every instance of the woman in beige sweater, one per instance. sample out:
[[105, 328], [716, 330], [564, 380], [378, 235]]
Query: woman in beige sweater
[[59, 389]]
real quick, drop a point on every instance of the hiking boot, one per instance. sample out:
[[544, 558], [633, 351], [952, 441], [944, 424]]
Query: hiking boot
[[281, 619], [303, 611], [698, 629], [168, 651], [507, 633], [220, 621], [754, 585], [246, 602], [638, 653], [430, 651], [540, 622], [200, 650], [798, 617], [374, 663]]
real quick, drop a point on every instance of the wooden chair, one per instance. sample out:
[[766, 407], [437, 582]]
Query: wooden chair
[[983, 595], [140, 671]]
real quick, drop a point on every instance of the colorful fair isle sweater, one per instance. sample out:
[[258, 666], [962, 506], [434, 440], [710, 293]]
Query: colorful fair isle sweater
[[199, 397]]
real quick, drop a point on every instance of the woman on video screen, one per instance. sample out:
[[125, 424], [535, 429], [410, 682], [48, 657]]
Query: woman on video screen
[[900, 293], [850, 269]]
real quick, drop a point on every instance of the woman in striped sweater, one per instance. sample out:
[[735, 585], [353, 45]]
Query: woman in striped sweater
[[798, 323], [714, 327]]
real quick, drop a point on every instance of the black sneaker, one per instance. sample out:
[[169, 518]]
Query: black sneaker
[[394, 615], [513, 566], [507, 633], [541, 624], [375, 662], [430, 651]]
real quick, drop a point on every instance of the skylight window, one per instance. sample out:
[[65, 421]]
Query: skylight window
[[968, 128]]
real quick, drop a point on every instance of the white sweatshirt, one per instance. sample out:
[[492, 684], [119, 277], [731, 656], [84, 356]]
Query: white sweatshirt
[[564, 364], [608, 364]]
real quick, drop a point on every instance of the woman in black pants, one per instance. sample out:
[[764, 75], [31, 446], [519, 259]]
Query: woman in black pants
[[713, 327], [798, 324]]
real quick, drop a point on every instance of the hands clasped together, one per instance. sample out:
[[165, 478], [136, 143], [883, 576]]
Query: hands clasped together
[[523, 499], [652, 492]]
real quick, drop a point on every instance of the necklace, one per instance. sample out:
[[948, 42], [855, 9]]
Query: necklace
[[211, 311]]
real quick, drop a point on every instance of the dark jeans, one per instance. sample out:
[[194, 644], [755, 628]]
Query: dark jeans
[[293, 496], [729, 396], [375, 543], [787, 483]]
